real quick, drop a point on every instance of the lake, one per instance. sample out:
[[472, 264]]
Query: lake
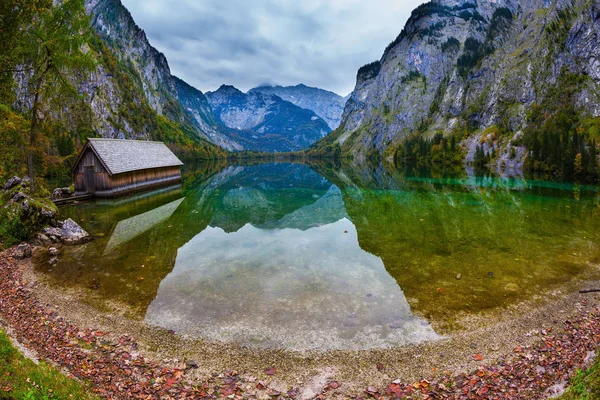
[[301, 257]]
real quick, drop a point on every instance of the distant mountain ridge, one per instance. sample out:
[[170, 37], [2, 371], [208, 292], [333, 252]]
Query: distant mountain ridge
[[327, 105], [279, 125], [265, 122], [130, 93]]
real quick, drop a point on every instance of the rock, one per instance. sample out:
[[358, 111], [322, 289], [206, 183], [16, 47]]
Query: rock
[[50, 214], [26, 183], [53, 261], [53, 233], [458, 277], [12, 182], [61, 193], [191, 365], [53, 251], [72, 233], [22, 251], [41, 238], [19, 196]]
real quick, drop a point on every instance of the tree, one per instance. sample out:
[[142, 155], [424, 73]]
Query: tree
[[14, 16], [53, 53]]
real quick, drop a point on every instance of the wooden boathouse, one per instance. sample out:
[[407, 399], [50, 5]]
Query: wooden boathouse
[[114, 167]]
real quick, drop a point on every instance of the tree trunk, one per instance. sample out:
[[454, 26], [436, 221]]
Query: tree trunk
[[33, 134]]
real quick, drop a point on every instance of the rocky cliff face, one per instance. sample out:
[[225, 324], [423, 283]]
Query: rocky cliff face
[[476, 67], [265, 122], [325, 104], [131, 86], [131, 93], [196, 104]]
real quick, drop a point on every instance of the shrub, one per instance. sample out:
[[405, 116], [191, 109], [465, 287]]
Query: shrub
[[370, 70], [473, 52], [452, 44], [501, 20]]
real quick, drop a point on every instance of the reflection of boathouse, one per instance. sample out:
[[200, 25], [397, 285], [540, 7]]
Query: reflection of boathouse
[[108, 167]]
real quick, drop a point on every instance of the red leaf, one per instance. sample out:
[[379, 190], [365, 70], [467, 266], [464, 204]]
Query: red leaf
[[333, 385], [270, 371], [477, 357]]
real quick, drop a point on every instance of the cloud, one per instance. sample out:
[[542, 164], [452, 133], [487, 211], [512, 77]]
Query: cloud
[[247, 43]]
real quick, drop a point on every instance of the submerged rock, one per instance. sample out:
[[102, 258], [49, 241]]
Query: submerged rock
[[72, 233], [22, 251]]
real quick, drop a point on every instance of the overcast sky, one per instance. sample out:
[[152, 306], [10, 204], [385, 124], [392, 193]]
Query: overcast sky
[[247, 43]]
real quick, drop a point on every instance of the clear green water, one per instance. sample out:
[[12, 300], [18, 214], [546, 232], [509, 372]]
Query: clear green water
[[302, 257]]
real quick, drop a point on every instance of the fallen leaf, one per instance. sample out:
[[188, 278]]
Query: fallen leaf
[[270, 371], [371, 390], [333, 385], [477, 357]]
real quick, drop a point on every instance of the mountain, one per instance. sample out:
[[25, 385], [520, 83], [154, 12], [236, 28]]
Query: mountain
[[325, 104], [196, 103], [167, 95], [129, 91], [512, 82], [265, 122]]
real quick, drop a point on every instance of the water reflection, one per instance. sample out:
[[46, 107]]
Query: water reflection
[[259, 254], [130, 228], [285, 287]]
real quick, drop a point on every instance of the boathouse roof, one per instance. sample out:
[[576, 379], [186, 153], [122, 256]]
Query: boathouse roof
[[119, 155]]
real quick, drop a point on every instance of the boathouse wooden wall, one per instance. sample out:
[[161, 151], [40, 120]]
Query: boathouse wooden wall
[[103, 184]]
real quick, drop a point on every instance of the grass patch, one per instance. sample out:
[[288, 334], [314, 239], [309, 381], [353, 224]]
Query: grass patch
[[22, 379], [585, 385]]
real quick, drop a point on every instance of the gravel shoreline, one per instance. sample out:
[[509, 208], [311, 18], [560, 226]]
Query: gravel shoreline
[[531, 366]]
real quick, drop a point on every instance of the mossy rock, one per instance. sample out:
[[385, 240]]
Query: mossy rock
[[23, 214]]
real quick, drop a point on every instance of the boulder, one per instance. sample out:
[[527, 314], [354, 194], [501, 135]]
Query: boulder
[[53, 232], [42, 239], [12, 182], [22, 251], [50, 214], [72, 233], [61, 193], [18, 197], [53, 251]]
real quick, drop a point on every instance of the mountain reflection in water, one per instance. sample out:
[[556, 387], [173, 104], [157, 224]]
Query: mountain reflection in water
[[298, 256]]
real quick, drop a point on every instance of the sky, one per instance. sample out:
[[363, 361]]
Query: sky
[[247, 43]]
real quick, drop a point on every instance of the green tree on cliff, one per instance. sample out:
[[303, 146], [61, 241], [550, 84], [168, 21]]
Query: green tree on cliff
[[52, 48]]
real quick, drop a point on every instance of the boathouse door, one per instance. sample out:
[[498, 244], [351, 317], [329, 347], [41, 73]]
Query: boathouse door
[[90, 180]]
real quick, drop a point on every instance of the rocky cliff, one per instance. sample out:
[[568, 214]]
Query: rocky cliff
[[165, 94], [488, 72], [325, 104], [131, 93], [265, 122]]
